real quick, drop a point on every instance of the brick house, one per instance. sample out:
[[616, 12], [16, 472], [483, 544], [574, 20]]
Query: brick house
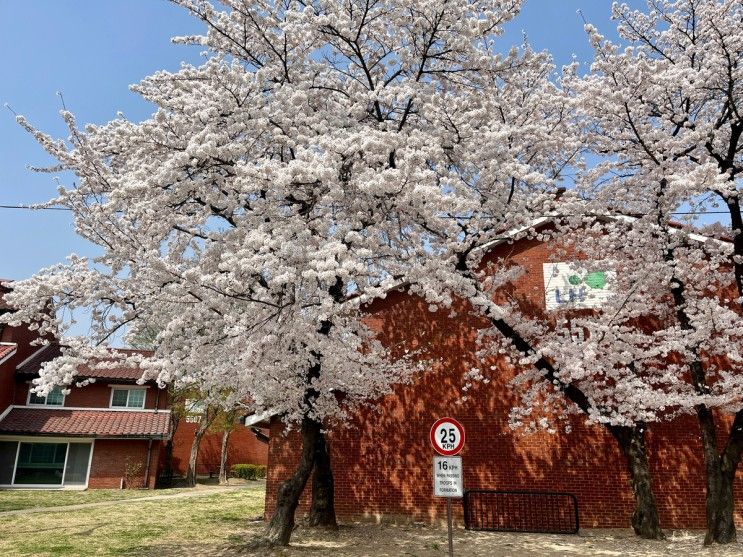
[[105, 434], [248, 444], [382, 460]]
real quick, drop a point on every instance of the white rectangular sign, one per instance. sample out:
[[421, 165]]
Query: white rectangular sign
[[578, 285], [447, 476]]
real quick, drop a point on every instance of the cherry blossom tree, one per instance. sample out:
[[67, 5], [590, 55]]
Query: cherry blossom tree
[[557, 377], [543, 141], [206, 417], [226, 425], [323, 153], [666, 113], [613, 347]]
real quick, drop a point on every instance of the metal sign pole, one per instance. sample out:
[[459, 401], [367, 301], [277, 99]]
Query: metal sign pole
[[447, 438], [448, 520]]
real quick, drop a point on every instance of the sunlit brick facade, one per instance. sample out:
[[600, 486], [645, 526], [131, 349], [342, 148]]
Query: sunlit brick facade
[[382, 460]]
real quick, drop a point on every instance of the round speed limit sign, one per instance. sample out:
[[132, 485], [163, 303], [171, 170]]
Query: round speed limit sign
[[447, 436]]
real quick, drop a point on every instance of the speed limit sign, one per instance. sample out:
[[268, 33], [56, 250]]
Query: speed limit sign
[[447, 436]]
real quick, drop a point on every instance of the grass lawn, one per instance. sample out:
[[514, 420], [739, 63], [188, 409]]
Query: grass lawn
[[149, 528], [11, 500], [218, 524]]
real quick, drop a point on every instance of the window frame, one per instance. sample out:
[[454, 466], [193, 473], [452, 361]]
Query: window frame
[[31, 444], [54, 440], [128, 389], [45, 404]]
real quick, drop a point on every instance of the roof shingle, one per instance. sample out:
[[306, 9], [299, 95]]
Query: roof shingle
[[33, 365], [87, 423], [6, 350]]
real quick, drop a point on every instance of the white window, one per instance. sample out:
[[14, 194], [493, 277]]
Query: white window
[[127, 398], [54, 398]]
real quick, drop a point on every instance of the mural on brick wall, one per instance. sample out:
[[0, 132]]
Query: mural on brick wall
[[578, 285]]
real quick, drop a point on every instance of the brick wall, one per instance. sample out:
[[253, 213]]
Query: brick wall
[[110, 457], [382, 461], [96, 395], [244, 448], [23, 337], [7, 383]]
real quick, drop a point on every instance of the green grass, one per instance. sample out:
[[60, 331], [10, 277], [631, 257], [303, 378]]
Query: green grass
[[11, 500], [180, 526]]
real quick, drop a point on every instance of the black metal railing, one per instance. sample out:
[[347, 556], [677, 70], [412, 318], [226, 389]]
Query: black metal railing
[[521, 511]]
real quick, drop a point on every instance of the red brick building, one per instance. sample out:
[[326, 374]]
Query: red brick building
[[108, 434], [382, 461], [248, 445]]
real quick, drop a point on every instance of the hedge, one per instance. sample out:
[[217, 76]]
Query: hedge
[[249, 471]]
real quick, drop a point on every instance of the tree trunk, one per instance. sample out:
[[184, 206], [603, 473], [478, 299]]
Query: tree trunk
[[168, 468], [223, 457], [631, 440], [723, 528], [322, 510], [191, 473], [725, 525], [279, 529], [645, 521], [721, 469]]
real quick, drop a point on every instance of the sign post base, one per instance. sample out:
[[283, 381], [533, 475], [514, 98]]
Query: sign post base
[[448, 521]]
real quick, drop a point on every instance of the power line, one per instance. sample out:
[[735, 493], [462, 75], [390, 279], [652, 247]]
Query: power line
[[36, 208], [32, 208]]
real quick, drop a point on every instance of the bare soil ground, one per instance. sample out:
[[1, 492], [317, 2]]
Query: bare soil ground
[[362, 540]]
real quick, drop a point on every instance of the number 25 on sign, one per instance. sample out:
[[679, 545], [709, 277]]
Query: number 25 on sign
[[447, 436]]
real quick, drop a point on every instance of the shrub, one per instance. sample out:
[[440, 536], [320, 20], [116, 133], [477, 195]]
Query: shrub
[[133, 474], [249, 471]]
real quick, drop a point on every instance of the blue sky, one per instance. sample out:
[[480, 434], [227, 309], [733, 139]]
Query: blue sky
[[92, 50]]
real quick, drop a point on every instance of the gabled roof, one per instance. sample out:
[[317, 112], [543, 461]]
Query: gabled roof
[[3, 290], [97, 423], [32, 365], [6, 350], [539, 222]]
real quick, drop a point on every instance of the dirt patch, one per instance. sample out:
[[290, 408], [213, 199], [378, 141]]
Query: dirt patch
[[361, 540]]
